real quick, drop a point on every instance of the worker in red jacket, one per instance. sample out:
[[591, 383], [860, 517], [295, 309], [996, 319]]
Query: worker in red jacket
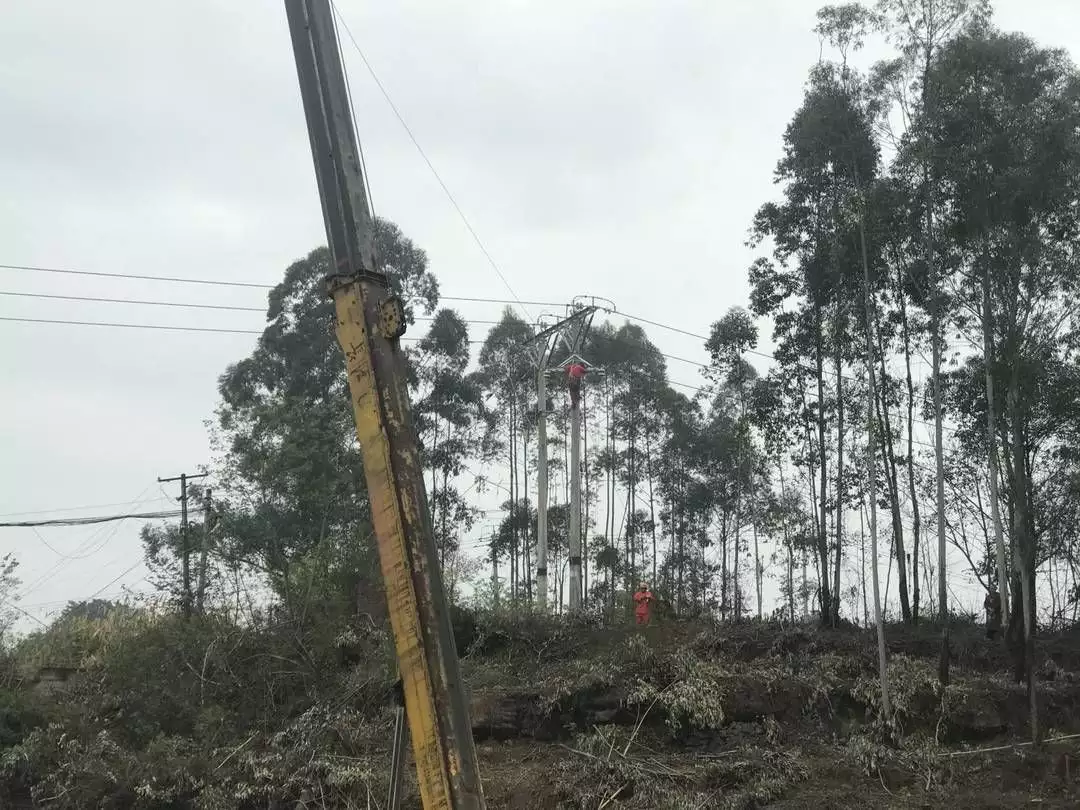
[[643, 600], [575, 373]]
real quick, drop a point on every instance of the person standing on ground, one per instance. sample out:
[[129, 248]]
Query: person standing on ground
[[643, 600]]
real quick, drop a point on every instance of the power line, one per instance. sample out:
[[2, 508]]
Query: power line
[[220, 330], [47, 544], [89, 520], [245, 284], [139, 301], [704, 339], [135, 326], [77, 599], [901, 395], [427, 160], [69, 509], [659, 325], [181, 304], [112, 581], [160, 326], [61, 564], [13, 606], [137, 277]]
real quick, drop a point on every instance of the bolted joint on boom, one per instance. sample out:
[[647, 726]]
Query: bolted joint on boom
[[336, 281], [392, 318]]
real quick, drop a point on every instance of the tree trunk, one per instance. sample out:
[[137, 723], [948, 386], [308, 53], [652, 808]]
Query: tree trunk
[[936, 338], [871, 464], [609, 491], [757, 568], [991, 443], [939, 454], [1024, 541], [679, 588], [805, 584], [513, 506], [916, 519], [736, 592], [824, 602], [787, 539], [840, 488], [893, 484], [652, 503], [725, 604], [862, 561]]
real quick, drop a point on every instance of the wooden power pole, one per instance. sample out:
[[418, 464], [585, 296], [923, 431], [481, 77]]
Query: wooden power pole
[[370, 323]]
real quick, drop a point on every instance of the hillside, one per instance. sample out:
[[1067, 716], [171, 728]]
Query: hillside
[[163, 714]]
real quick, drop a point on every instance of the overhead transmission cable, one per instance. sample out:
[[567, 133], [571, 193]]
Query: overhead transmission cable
[[244, 284], [70, 509], [113, 581], [159, 326], [628, 316], [85, 547], [220, 330], [179, 304], [91, 520]]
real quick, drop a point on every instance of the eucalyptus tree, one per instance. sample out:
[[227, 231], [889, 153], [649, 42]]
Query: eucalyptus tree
[[507, 374], [290, 480], [808, 287], [1005, 127], [452, 423]]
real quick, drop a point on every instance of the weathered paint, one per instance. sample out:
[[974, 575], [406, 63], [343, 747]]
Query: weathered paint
[[393, 554], [438, 720]]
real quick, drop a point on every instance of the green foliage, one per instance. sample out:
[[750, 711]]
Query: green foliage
[[8, 583], [19, 712], [451, 422], [158, 705], [291, 472]]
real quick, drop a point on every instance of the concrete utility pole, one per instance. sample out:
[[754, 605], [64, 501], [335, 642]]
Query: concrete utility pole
[[541, 484], [542, 342], [200, 593], [569, 334], [574, 530], [370, 321], [185, 546]]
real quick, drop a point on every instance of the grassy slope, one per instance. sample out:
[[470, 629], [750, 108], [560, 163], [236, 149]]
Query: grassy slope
[[677, 716]]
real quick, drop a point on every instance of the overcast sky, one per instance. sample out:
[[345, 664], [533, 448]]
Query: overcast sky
[[616, 149]]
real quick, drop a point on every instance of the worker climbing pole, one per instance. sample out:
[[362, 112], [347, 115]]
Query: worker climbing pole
[[370, 323], [575, 376]]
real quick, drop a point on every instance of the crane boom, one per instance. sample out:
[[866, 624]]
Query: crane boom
[[370, 321]]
